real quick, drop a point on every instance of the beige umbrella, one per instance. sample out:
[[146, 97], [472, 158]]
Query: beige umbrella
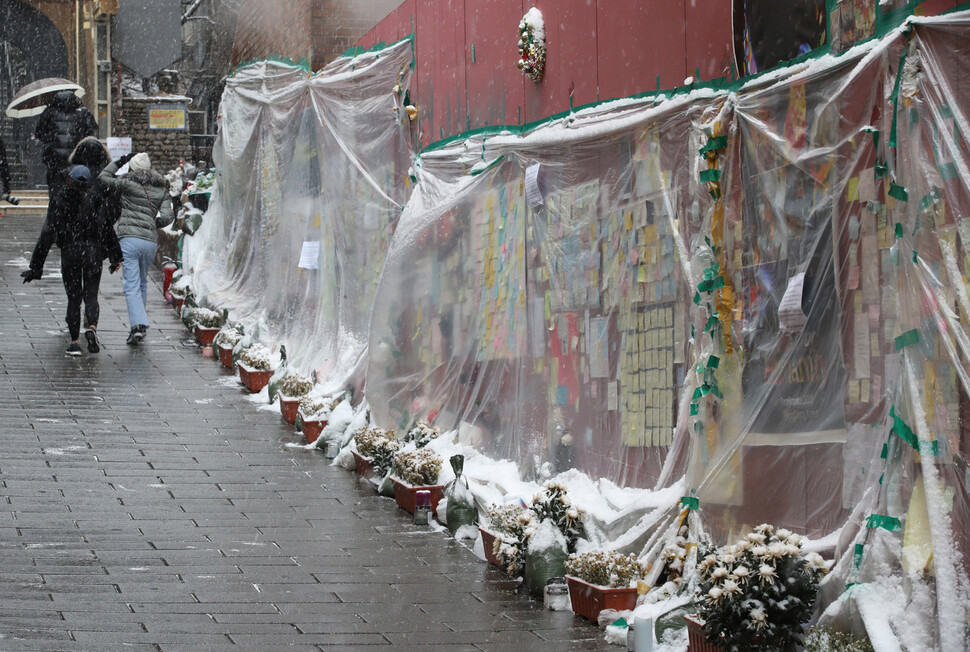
[[33, 98]]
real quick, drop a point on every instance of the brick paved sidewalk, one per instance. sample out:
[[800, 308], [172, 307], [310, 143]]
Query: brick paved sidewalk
[[147, 503]]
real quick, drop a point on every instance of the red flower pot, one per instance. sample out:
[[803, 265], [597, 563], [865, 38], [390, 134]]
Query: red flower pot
[[488, 541], [589, 600], [696, 640], [225, 356], [289, 408], [169, 271], [363, 466], [254, 379], [406, 495], [205, 335], [312, 429]]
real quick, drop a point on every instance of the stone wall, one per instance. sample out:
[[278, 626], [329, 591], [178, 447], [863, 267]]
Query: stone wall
[[165, 148]]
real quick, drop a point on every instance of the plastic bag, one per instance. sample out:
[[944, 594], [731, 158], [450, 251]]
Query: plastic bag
[[191, 223], [461, 508], [545, 558]]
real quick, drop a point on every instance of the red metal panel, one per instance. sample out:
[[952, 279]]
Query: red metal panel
[[571, 63], [636, 41], [933, 7], [495, 84], [709, 38], [447, 82]]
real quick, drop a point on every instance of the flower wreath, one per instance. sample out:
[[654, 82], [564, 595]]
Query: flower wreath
[[532, 45]]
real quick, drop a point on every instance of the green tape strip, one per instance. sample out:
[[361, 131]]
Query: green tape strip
[[694, 409], [907, 338], [881, 168], [708, 176], [898, 192], [691, 502], [889, 523], [895, 96], [857, 555], [929, 199], [899, 230], [904, 432], [713, 362], [875, 136], [720, 142]]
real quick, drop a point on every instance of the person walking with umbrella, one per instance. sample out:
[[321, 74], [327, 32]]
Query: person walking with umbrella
[[62, 125], [77, 222], [145, 207]]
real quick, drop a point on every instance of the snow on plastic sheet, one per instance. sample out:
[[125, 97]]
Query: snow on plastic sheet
[[312, 177]]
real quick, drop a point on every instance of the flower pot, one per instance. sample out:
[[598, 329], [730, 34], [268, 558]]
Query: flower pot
[[488, 541], [312, 429], [254, 379], [289, 408], [696, 640], [589, 600], [177, 303], [205, 335], [225, 356], [406, 495], [363, 466]]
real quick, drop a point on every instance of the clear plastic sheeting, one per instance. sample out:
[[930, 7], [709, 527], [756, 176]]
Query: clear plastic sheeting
[[759, 293], [750, 303], [312, 174]]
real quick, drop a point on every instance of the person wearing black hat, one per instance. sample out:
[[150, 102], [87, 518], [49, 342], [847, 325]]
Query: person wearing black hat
[[77, 223]]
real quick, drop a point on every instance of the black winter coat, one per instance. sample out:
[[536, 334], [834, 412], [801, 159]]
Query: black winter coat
[[76, 217], [62, 125], [4, 170]]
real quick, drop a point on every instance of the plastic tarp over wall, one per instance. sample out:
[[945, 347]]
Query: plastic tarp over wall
[[763, 292], [312, 174]]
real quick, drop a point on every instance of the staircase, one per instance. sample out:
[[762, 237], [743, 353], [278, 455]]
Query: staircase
[[31, 201]]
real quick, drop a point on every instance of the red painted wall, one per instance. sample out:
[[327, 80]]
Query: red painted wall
[[466, 76]]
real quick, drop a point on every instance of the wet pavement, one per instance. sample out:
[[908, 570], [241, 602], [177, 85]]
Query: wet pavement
[[146, 504]]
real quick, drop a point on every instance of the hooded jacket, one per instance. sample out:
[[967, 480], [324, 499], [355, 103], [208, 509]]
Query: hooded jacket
[[143, 196], [62, 125], [76, 218], [91, 154]]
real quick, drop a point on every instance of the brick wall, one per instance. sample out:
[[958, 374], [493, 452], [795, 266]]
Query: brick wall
[[319, 30], [338, 24], [268, 28], [165, 148]]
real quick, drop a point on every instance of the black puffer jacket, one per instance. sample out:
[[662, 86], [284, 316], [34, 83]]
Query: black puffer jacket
[[76, 218], [62, 125]]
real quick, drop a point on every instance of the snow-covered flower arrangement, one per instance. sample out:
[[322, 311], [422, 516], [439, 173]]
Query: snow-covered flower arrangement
[[532, 45], [606, 568], [317, 407], [379, 446], [554, 504], [295, 384], [825, 639], [418, 468], [208, 318], [421, 434], [517, 525], [228, 337], [257, 357], [181, 285], [757, 593]]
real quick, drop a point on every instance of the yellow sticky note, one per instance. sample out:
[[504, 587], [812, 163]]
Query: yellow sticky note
[[853, 189], [641, 274], [627, 220]]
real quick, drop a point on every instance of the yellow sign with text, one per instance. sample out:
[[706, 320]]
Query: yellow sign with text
[[167, 117]]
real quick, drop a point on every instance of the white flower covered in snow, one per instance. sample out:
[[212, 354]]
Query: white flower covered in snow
[[767, 574], [817, 561], [760, 551], [730, 587], [728, 559], [783, 533], [777, 550], [741, 573], [719, 573], [715, 594], [758, 617], [755, 537]]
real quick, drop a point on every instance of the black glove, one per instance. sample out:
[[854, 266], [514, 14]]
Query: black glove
[[114, 267], [31, 275], [124, 159]]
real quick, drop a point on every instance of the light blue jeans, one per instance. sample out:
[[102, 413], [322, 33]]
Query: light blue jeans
[[139, 255]]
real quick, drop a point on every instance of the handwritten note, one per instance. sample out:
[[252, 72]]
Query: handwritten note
[[533, 193], [791, 319], [310, 256]]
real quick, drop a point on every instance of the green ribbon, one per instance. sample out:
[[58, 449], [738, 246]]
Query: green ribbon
[[907, 338], [904, 432], [720, 142], [898, 192], [708, 176], [691, 502], [889, 523], [713, 362], [881, 168]]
